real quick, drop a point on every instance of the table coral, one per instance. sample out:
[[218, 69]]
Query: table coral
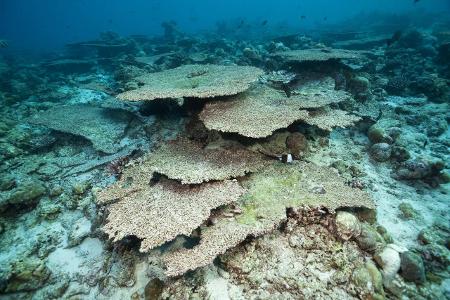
[[196, 81], [269, 193], [260, 111], [316, 55], [159, 213]]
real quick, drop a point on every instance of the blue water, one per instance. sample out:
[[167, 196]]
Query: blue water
[[49, 24]]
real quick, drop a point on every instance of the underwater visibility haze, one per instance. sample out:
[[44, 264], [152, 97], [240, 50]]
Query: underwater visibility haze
[[224, 149]]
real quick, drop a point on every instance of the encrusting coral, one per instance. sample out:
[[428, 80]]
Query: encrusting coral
[[268, 194], [260, 111], [196, 81], [158, 213]]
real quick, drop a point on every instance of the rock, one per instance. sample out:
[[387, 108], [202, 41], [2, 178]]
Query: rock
[[25, 275], [49, 211], [381, 152], [55, 191], [375, 134], [347, 225], [25, 195], [369, 239], [400, 153], [407, 211], [389, 261], [376, 276], [414, 169], [297, 144], [362, 279], [153, 289], [79, 188], [412, 267], [80, 230], [7, 182]]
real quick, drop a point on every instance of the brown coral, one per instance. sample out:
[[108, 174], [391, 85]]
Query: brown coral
[[157, 214], [195, 81]]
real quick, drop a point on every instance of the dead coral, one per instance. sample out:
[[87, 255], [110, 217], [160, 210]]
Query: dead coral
[[157, 214], [196, 81], [317, 55], [269, 194]]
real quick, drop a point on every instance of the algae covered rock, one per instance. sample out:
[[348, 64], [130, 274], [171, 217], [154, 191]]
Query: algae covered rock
[[412, 267], [347, 225], [24, 275], [381, 152], [25, 195]]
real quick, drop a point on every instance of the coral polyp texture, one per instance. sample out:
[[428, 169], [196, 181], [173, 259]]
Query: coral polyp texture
[[194, 81], [158, 213], [188, 162], [315, 55], [260, 111], [268, 194]]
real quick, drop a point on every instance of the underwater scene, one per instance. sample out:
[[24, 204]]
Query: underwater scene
[[227, 149]]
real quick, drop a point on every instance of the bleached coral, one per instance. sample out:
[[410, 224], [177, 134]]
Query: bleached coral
[[158, 213], [195, 81], [269, 194]]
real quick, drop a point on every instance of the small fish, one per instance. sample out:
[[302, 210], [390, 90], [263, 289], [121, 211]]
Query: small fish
[[325, 18], [415, 1], [4, 44], [302, 17], [425, 143], [264, 23], [395, 37]]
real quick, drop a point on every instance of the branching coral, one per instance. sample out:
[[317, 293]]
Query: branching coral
[[196, 81], [317, 55], [269, 194], [158, 213]]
